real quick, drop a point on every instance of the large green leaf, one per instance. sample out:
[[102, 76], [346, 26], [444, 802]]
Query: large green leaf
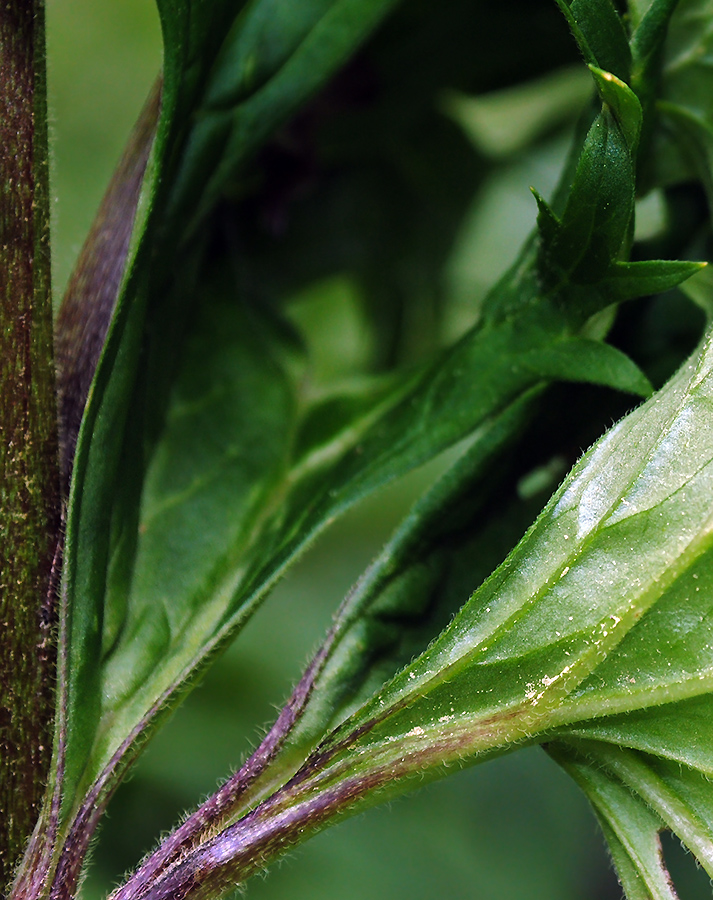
[[582, 548], [133, 380]]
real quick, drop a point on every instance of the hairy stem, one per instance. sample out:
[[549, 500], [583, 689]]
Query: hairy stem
[[29, 489], [209, 817]]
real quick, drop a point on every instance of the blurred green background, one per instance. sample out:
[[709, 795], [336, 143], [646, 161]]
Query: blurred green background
[[515, 829], [102, 59]]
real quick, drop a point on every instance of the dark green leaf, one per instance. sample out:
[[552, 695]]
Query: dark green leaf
[[649, 34], [578, 359], [129, 394], [627, 280], [647, 48], [269, 64], [600, 34], [192, 34]]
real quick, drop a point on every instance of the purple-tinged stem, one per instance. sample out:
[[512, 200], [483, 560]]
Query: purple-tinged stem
[[250, 844], [218, 808], [217, 812], [323, 790], [29, 484], [82, 325], [34, 874]]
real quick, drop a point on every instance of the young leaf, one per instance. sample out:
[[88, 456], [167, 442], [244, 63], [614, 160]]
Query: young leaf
[[598, 29], [597, 217]]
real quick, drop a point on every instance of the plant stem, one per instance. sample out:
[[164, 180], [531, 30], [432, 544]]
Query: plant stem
[[29, 487]]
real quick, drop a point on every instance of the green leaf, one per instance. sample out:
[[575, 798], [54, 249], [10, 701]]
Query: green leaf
[[623, 103], [192, 34], [544, 641], [687, 74], [129, 395], [598, 214], [647, 49], [648, 37], [627, 280], [681, 797], [559, 635], [548, 223], [579, 359], [270, 63], [630, 826], [600, 34], [484, 373], [581, 246]]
